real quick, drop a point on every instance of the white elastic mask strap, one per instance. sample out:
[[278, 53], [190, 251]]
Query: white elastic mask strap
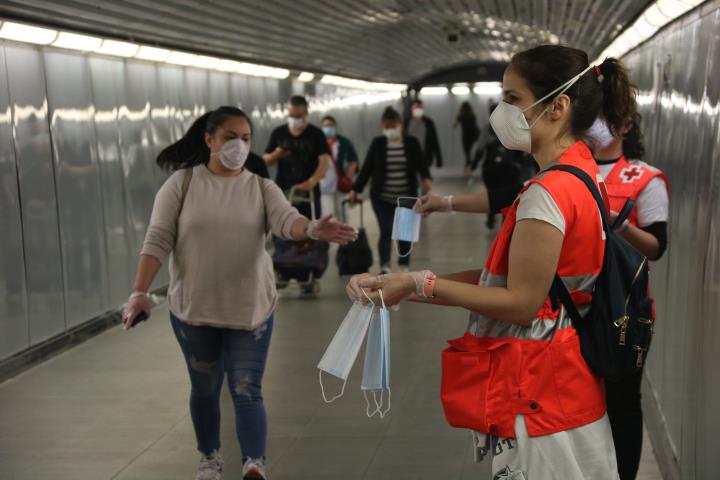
[[397, 249], [322, 389], [559, 91], [366, 296], [382, 299]]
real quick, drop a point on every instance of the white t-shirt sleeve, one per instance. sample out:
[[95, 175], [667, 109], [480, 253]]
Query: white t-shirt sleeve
[[653, 203], [537, 204]]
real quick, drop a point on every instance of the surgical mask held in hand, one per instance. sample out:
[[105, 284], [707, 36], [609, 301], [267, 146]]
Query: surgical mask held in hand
[[406, 224], [296, 123], [376, 371], [345, 346], [510, 124], [234, 153], [598, 136]]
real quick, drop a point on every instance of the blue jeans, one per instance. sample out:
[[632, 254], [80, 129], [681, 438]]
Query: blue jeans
[[385, 213], [209, 353]]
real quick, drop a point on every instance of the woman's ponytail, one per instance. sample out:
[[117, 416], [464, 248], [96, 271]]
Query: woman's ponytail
[[191, 149], [619, 106]]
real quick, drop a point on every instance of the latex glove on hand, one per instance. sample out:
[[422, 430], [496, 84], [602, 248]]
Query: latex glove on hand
[[137, 304], [432, 203], [330, 230], [396, 287]]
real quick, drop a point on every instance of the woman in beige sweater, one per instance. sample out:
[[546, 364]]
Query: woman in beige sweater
[[210, 219]]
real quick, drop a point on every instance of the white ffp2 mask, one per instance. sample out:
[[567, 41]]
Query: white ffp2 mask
[[510, 124], [233, 153], [599, 136]]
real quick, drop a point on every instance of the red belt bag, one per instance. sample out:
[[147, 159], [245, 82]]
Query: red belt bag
[[466, 387]]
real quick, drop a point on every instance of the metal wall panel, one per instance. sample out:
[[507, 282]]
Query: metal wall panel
[[26, 79], [110, 118], [106, 79], [77, 179], [13, 297], [677, 73]]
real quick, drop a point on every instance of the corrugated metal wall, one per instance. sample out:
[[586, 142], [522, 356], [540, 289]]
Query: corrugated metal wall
[[78, 140], [679, 76]]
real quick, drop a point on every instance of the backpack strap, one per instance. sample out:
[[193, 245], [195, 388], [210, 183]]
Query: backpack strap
[[262, 193], [183, 193], [558, 290]]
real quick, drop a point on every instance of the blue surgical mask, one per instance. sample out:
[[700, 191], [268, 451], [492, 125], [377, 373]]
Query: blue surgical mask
[[376, 371], [329, 131], [406, 224], [345, 346]]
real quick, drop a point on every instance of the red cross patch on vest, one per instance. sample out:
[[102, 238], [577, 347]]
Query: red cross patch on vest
[[631, 173]]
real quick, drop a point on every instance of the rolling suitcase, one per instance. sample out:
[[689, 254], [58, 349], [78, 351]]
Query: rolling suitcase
[[303, 261], [355, 257]]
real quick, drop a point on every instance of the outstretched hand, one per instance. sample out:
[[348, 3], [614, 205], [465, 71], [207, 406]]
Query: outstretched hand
[[431, 203], [330, 230], [396, 287]]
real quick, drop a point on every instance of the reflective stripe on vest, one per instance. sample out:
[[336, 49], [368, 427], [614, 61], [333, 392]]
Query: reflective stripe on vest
[[538, 370]]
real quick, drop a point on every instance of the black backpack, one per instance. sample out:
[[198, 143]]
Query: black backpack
[[615, 334]]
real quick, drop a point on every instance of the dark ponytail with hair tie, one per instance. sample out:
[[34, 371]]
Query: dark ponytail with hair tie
[[191, 149], [619, 106]]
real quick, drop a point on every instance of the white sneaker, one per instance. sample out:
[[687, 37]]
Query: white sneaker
[[385, 269], [254, 469], [404, 269], [210, 467]]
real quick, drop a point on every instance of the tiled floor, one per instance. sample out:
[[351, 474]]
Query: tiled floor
[[116, 406]]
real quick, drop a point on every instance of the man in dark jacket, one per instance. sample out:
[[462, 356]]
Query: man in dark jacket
[[423, 128]]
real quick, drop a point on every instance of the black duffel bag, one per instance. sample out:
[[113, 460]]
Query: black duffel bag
[[615, 334]]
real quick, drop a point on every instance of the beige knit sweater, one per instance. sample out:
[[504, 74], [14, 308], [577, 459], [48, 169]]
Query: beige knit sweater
[[220, 273]]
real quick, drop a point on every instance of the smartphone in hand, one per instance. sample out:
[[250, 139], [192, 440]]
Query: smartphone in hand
[[141, 317]]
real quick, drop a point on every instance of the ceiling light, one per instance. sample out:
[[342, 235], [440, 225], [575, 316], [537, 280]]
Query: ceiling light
[[228, 65], [306, 77], [119, 49], [460, 90], [26, 33], [434, 91], [181, 58], [74, 41], [263, 71], [203, 61], [487, 88], [152, 53]]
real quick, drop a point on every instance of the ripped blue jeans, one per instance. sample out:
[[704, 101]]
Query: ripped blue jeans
[[210, 352]]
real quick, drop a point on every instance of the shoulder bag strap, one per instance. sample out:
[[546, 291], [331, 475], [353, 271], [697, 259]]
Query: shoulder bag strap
[[183, 194]]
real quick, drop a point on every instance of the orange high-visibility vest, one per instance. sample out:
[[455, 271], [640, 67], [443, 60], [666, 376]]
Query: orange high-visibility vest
[[538, 371], [627, 181]]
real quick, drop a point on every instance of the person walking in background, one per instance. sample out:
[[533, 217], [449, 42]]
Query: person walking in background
[[470, 133], [393, 162], [210, 220], [343, 163], [423, 128], [301, 152]]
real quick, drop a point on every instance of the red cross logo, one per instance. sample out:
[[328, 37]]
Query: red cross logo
[[630, 174]]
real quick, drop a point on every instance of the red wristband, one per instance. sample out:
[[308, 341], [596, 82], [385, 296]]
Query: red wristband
[[428, 290]]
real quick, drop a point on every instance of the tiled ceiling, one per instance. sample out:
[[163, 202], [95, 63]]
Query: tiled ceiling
[[385, 40]]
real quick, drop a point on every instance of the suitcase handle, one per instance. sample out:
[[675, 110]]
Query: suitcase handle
[[362, 211]]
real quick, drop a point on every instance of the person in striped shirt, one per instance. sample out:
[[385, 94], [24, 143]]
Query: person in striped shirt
[[393, 164]]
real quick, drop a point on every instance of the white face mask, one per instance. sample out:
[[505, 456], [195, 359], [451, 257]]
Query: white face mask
[[376, 370], [340, 355], [510, 124], [406, 225], [418, 112], [296, 123], [599, 135], [233, 153], [392, 133]]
